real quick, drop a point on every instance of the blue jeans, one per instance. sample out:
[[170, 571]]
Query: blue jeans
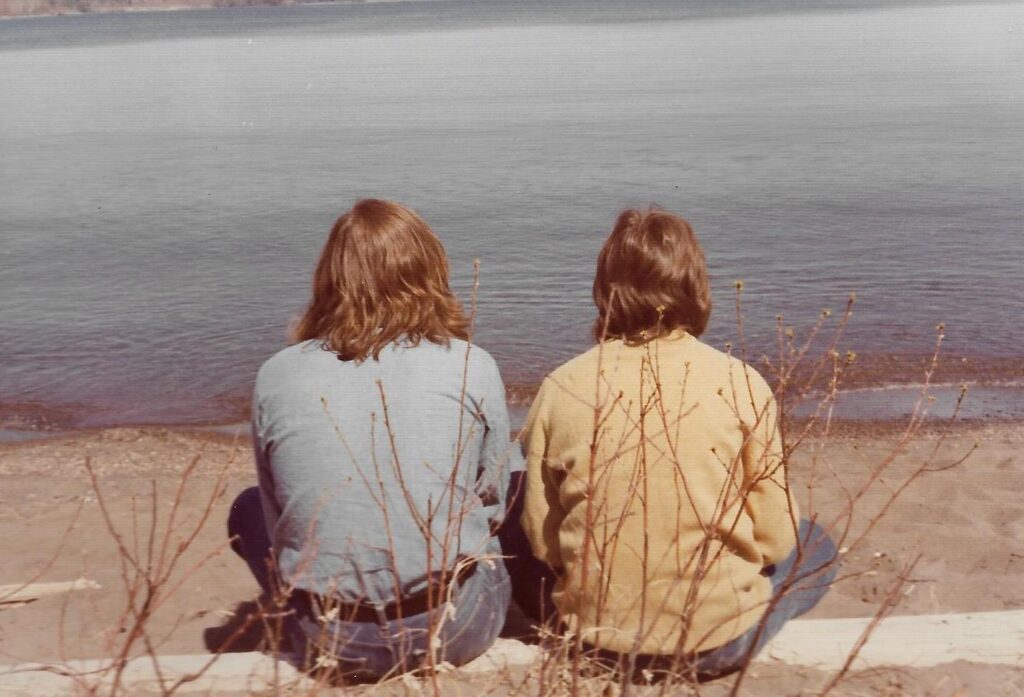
[[375, 649], [807, 571], [799, 582]]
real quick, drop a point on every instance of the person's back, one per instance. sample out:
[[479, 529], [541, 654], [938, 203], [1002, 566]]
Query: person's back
[[358, 461], [665, 502]]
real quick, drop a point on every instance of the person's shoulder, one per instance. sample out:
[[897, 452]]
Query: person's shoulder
[[467, 350], [732, 370], [583, 367], [477, 360], [576, 365], [451, 358], [462, 351], [747, 375], [289, 359]]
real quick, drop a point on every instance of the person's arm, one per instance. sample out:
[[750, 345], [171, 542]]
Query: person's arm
[[498, 457], [769, 501], [264, 476], [542, 510]]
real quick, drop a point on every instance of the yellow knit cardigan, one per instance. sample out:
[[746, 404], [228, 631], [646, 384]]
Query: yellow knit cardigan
[[655, 483]]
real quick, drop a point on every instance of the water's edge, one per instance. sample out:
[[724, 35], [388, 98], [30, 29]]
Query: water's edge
[[892, 405]]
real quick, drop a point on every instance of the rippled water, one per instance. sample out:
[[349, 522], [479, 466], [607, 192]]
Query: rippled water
[[167, 179]]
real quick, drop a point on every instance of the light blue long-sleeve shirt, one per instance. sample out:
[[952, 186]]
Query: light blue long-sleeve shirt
[[374, 472]]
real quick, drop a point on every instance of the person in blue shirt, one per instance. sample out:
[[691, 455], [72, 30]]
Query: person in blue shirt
[[381, 441]]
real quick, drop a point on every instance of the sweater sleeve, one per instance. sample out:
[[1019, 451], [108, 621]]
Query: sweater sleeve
[[769, 500], [542, 510]]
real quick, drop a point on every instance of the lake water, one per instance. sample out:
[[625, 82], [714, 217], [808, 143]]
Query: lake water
[[167, 179]]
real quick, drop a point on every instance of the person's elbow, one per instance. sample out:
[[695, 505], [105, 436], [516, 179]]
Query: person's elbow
[[776, 539]]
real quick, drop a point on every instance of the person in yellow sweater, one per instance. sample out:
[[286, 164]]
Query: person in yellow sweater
[[655, 500]]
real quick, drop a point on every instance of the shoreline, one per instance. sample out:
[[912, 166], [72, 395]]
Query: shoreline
[[859, 407], [46, 8], [864, 425], [94, 7], [876, 386]]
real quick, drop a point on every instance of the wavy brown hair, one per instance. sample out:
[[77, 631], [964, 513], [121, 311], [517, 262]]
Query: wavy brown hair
[[382, 277], [651, 279]]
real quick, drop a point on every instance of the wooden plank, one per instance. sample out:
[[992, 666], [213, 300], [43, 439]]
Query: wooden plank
[[908, 640], [503, 654], [17, 594], [235, 672]]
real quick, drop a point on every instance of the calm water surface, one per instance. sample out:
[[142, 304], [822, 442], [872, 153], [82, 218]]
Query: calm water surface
[[167, 179]]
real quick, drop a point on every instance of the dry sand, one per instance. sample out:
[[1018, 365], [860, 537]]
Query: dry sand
[[966, 523]]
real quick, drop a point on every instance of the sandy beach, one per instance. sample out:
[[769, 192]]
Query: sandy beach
[[965, 523]]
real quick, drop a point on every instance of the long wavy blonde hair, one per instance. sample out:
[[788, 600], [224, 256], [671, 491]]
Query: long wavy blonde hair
[[382, 277]]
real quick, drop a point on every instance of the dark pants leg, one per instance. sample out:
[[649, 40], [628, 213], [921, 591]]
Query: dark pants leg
[[532, 579], [249, 538]]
